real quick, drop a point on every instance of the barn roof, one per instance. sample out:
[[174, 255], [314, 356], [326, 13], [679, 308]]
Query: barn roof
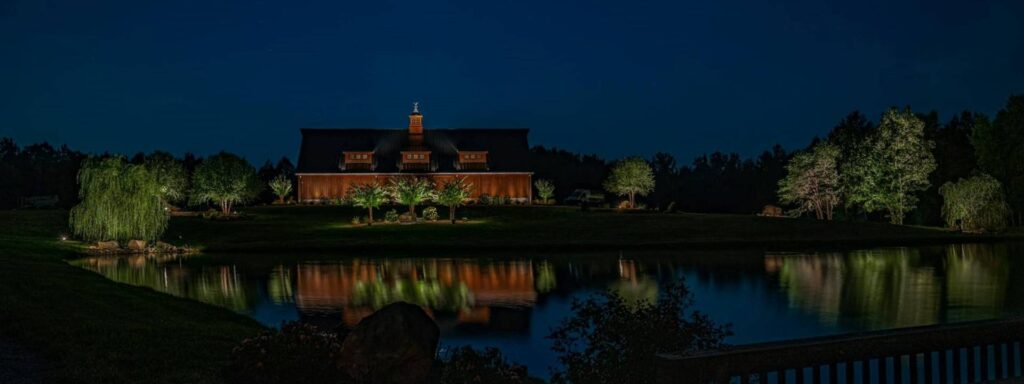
[[321, 151]]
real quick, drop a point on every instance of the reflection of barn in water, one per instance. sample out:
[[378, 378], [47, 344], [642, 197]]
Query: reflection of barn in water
[[457, 293]]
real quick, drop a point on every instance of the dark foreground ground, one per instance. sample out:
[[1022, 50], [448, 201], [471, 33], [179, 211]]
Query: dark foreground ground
[[59, 323]]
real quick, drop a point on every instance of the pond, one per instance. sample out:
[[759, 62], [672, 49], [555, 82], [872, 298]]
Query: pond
[[513, 301]]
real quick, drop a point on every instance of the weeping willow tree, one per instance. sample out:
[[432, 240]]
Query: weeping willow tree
[[120, 201], [974, 204]]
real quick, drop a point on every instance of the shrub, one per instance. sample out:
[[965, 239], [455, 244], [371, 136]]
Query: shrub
[[298, 353], [610, 339], [465, 365], [545, 190], [484, 199], [430, 213], [356, 220], [391, 216]]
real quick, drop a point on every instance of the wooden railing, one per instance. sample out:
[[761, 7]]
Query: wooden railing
[[985, 351]]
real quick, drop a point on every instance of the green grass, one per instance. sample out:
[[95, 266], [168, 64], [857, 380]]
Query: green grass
[[85, 328], [299, 228]]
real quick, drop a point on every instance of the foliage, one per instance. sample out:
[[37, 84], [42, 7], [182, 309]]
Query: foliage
[[120, 201], [38, 170], [974, 204], [545, 189], [454, 193], [430, 213], [298, 353], [630, 177], [893, 166], [611, 340], [356, 220], [225, 179], [391, 216], [369, 196], [170, 175], [282, 186], [812, 181], [998, 146], [411, 191], [465, 365]]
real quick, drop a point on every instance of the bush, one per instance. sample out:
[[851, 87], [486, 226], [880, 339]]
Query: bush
[[612, 339], [484, 199], [465, 365], [391, 216], [430, 213], [298, 353], [356, 220]]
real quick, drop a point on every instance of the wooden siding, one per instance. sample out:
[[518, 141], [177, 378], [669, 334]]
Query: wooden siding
[[325, 187]]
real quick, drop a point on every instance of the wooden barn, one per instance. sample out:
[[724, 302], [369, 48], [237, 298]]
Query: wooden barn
[[494, 161]]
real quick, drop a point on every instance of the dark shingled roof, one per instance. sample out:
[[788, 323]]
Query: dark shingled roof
[[321, 152]]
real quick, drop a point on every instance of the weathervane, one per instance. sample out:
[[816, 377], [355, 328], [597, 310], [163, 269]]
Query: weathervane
[[415, 107]]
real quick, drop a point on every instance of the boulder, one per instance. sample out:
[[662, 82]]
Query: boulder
[[107, 245], [137, 245], [407, 218], [395, 345]]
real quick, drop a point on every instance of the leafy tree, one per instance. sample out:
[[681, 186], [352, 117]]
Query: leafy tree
[[453, 193], [545, 189], [225, 179], [282, 186], [812, 181], [891, 167], [610, 340], [998, 146], [974, 204], [170, 175], [369, 196], [120, 201], [630, 177], [411, 191]]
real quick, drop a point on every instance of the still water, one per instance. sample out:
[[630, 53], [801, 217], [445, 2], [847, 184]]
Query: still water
[[512, 301]]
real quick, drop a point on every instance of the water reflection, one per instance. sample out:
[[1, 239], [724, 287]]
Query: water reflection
[[512, 302]]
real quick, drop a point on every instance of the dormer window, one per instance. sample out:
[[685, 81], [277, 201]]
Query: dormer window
[[415, 160], [357, 161], [472, 160]]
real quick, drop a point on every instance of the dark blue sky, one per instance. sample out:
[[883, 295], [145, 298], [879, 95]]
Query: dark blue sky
[[619, 78]]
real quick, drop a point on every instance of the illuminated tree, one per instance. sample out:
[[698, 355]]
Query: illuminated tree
[[281, 186], [812, 181], [974, 204], [998, 146], [411, 191], [630, 177], [225, 179], [453, 193], [369, 196], [120, 201], [545, 189], [170, 176], [892, 167]]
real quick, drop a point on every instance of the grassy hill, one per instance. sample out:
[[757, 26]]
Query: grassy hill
[[521, 227]]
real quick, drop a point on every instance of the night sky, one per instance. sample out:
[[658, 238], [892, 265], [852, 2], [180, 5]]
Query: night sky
[[619, 78]]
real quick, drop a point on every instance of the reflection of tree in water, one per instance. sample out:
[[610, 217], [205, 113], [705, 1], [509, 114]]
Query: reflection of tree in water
[[896, 287], [220, 285], [977, 280], [545, 279], [279, 285], [427, 293]]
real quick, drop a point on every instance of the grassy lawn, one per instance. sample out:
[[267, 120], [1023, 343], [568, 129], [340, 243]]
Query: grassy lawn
[[519, 227], [85, 328]]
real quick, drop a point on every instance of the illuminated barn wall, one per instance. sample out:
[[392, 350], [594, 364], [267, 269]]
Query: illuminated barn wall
[[334, 186]]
